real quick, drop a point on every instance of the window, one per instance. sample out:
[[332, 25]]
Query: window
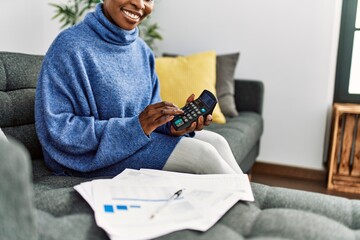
[[347, 84]]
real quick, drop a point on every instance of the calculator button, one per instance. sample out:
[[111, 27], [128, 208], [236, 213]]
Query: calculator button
[[179, 122]]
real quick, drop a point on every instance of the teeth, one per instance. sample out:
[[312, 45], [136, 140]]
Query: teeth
[[131, 15]]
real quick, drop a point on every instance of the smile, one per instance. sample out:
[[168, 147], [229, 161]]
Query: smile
[[131, 15]]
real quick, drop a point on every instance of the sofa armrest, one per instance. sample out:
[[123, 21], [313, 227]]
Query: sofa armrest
[[17, 218], [249, 95]]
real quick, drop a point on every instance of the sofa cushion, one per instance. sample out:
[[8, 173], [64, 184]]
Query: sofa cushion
[[76, 226], [183, 75], [225, 86], [18, 77], [56, 196], [291, 214], [242, 132]]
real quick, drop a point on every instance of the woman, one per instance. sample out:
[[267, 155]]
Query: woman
[[98, 108]]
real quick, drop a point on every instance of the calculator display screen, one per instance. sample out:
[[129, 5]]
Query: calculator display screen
[[207, 100]]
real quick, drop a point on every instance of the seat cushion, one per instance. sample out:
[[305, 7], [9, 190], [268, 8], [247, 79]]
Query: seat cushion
[[293, 214], [242, 132]]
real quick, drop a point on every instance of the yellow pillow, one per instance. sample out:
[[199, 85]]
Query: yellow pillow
[[181, 76]]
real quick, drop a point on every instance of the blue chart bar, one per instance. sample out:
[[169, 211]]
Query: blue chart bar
[[108, 208], [122, 207], [111, 209]]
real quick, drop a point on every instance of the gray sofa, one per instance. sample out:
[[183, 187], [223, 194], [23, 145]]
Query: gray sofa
[[34, 204]]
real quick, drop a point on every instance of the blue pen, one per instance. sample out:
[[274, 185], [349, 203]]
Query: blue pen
[[173, 197]]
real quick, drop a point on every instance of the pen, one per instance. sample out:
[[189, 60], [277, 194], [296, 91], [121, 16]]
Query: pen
[[173, 197]]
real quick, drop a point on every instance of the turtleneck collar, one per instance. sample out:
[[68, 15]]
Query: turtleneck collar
[[107, 30]]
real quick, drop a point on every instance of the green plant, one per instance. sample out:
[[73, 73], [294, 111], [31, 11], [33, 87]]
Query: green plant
[[71, 13]]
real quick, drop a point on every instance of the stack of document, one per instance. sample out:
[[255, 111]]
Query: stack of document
[[144, 204]]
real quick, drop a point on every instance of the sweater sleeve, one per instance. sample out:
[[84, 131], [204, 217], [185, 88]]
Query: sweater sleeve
[[68, 124]]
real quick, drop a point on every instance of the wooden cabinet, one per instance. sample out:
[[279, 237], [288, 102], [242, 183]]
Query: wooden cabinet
[[344, 162]]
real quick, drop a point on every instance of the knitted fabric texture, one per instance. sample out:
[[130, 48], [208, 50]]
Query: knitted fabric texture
[[95, 80]]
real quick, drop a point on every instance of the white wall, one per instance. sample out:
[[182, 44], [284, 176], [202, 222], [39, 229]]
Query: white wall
[[290, 45], [26, 26]]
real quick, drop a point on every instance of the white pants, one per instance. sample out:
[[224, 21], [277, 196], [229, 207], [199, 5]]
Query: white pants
[[206, 153]]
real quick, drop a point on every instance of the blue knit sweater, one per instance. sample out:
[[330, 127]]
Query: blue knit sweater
[[95, 80]]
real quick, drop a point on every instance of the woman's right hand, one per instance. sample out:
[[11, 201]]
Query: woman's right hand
[[157, 114]]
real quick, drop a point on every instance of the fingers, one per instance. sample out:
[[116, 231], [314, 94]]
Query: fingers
[[190, 98], [195, 126], [200, 123], [157, 114], [161, 105], [191, 128], [164, 110], [208, 120], [160, 113]]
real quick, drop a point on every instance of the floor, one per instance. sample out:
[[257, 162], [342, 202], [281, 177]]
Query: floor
[[296, 183]]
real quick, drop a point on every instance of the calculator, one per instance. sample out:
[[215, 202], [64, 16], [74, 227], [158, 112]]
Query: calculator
[[201, 106]]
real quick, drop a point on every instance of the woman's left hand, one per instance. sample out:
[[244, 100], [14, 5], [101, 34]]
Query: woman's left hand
[[195, 126]]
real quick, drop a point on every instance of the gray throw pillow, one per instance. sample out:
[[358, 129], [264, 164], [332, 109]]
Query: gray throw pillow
[[2, 135], [225, 85]]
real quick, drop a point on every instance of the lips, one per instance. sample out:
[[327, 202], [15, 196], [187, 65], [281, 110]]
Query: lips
[[132, 15]]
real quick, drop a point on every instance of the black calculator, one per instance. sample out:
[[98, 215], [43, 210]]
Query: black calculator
[[201, 106]]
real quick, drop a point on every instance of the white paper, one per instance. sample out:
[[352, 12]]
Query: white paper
[[123, 205], [223, 182]]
